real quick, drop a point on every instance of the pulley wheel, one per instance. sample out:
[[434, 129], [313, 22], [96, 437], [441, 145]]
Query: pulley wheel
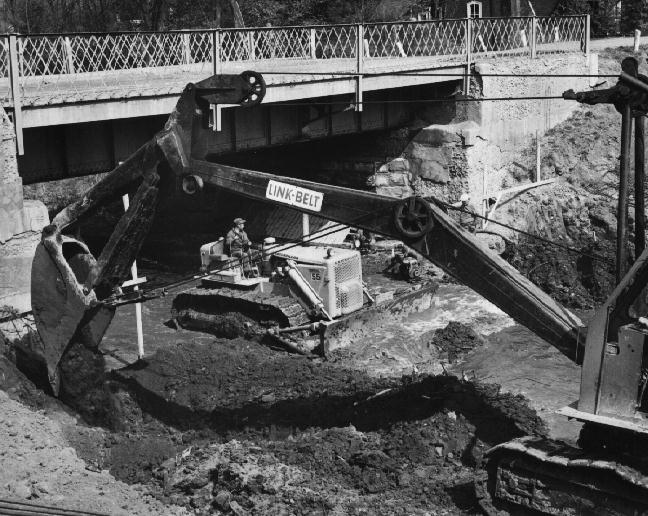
[[256, 89], [413, 218]]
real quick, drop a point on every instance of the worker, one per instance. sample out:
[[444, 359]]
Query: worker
[[467, 213], [239, 244]]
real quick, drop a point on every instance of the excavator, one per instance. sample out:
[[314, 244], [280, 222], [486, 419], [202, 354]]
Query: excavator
[[75, 295]]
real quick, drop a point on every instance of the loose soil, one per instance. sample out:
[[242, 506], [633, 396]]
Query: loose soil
[[579, 211]]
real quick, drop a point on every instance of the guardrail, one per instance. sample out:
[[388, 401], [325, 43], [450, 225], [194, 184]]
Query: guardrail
[[117, 64]]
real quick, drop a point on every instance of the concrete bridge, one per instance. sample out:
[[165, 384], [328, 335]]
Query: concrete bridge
[[55, 79]]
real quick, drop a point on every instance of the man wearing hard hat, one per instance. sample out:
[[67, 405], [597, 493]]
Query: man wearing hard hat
[[239, 244]]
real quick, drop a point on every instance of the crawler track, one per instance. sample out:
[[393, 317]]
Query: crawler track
[[535, 475], [16, 508], [232, 313]]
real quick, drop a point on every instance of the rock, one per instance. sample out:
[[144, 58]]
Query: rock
[[21, 490], [463, 133], [268, 398], [223, 500], [236, 508], [394, 191], [404, 479], [602, 217], [381, 180], [430, 162], [399, 165], [399, 179]]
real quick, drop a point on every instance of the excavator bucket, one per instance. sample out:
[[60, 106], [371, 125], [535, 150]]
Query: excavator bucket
[[65, 309]]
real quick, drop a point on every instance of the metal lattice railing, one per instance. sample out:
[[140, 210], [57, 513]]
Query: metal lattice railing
[[496, 37], [77, 67], [415, 39], [5, 88], [555, 35]]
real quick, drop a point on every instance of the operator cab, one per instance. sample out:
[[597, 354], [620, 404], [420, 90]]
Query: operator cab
[[228, 270]]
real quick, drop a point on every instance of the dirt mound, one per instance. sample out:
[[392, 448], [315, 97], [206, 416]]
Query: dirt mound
[[578, 211], [453, 341]]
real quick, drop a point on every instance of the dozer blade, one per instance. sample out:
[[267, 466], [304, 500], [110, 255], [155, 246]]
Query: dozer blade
[[64, 306]]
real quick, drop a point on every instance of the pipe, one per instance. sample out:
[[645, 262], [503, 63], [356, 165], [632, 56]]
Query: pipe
[[640, 178], [633, 82], [622, 207], [292, 329], [306, 289]]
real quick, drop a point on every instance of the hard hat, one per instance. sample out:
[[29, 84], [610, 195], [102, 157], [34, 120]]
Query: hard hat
[[464, 197], [239, 220]]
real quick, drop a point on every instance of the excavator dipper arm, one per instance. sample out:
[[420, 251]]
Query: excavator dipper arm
[[68, 283]]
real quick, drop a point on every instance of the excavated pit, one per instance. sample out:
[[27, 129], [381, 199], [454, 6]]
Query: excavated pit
[[229, 423]]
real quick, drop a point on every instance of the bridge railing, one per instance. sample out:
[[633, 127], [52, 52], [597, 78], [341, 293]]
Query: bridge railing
[[117, 64]]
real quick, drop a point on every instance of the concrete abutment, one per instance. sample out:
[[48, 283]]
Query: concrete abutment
[[479, 151]]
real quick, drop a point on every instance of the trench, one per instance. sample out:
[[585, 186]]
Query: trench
[[194, 391]]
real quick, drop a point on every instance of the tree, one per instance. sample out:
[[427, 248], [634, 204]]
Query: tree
[[634, 15]]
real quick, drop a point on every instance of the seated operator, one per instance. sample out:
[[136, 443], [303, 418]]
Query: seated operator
[[239, 244]]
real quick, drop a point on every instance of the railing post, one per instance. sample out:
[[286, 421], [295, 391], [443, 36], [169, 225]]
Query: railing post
[[216, 52], [186, 48], [588, 29], [14, 72], [466, 85], [68, 54], [251, 53], [534, 32], [313, 43], [359, 64]]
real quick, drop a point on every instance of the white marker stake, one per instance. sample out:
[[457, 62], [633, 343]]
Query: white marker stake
[[138, 306]]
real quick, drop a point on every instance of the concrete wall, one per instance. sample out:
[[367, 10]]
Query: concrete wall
[[20, 225], [480, 149]]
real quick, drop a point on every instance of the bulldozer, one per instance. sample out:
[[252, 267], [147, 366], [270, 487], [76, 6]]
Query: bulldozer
[[304, 297], [74, 296]]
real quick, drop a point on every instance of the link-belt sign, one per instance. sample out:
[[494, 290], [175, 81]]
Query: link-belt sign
[[294, 195]]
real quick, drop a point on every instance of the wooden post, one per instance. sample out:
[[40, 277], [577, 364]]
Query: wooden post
[[305, 226], [622, 207], [186, 48], [588, 31], [534, 37], [313, 43], [359, 65], [69, 55], [14, 73], [216, 52], [484, 203], [466, 84], [252, 53], [138, 306], [537, 174], [640, 178]]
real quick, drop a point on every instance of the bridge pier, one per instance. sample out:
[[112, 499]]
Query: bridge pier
[[20, 225]]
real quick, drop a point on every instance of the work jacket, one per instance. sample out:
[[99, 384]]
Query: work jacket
[[237, 240]]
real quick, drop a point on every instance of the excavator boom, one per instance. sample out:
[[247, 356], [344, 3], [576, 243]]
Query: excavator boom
[[176, 159], [423, 225]]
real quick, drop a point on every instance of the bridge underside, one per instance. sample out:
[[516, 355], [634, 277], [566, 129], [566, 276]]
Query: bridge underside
[[73, 150]]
